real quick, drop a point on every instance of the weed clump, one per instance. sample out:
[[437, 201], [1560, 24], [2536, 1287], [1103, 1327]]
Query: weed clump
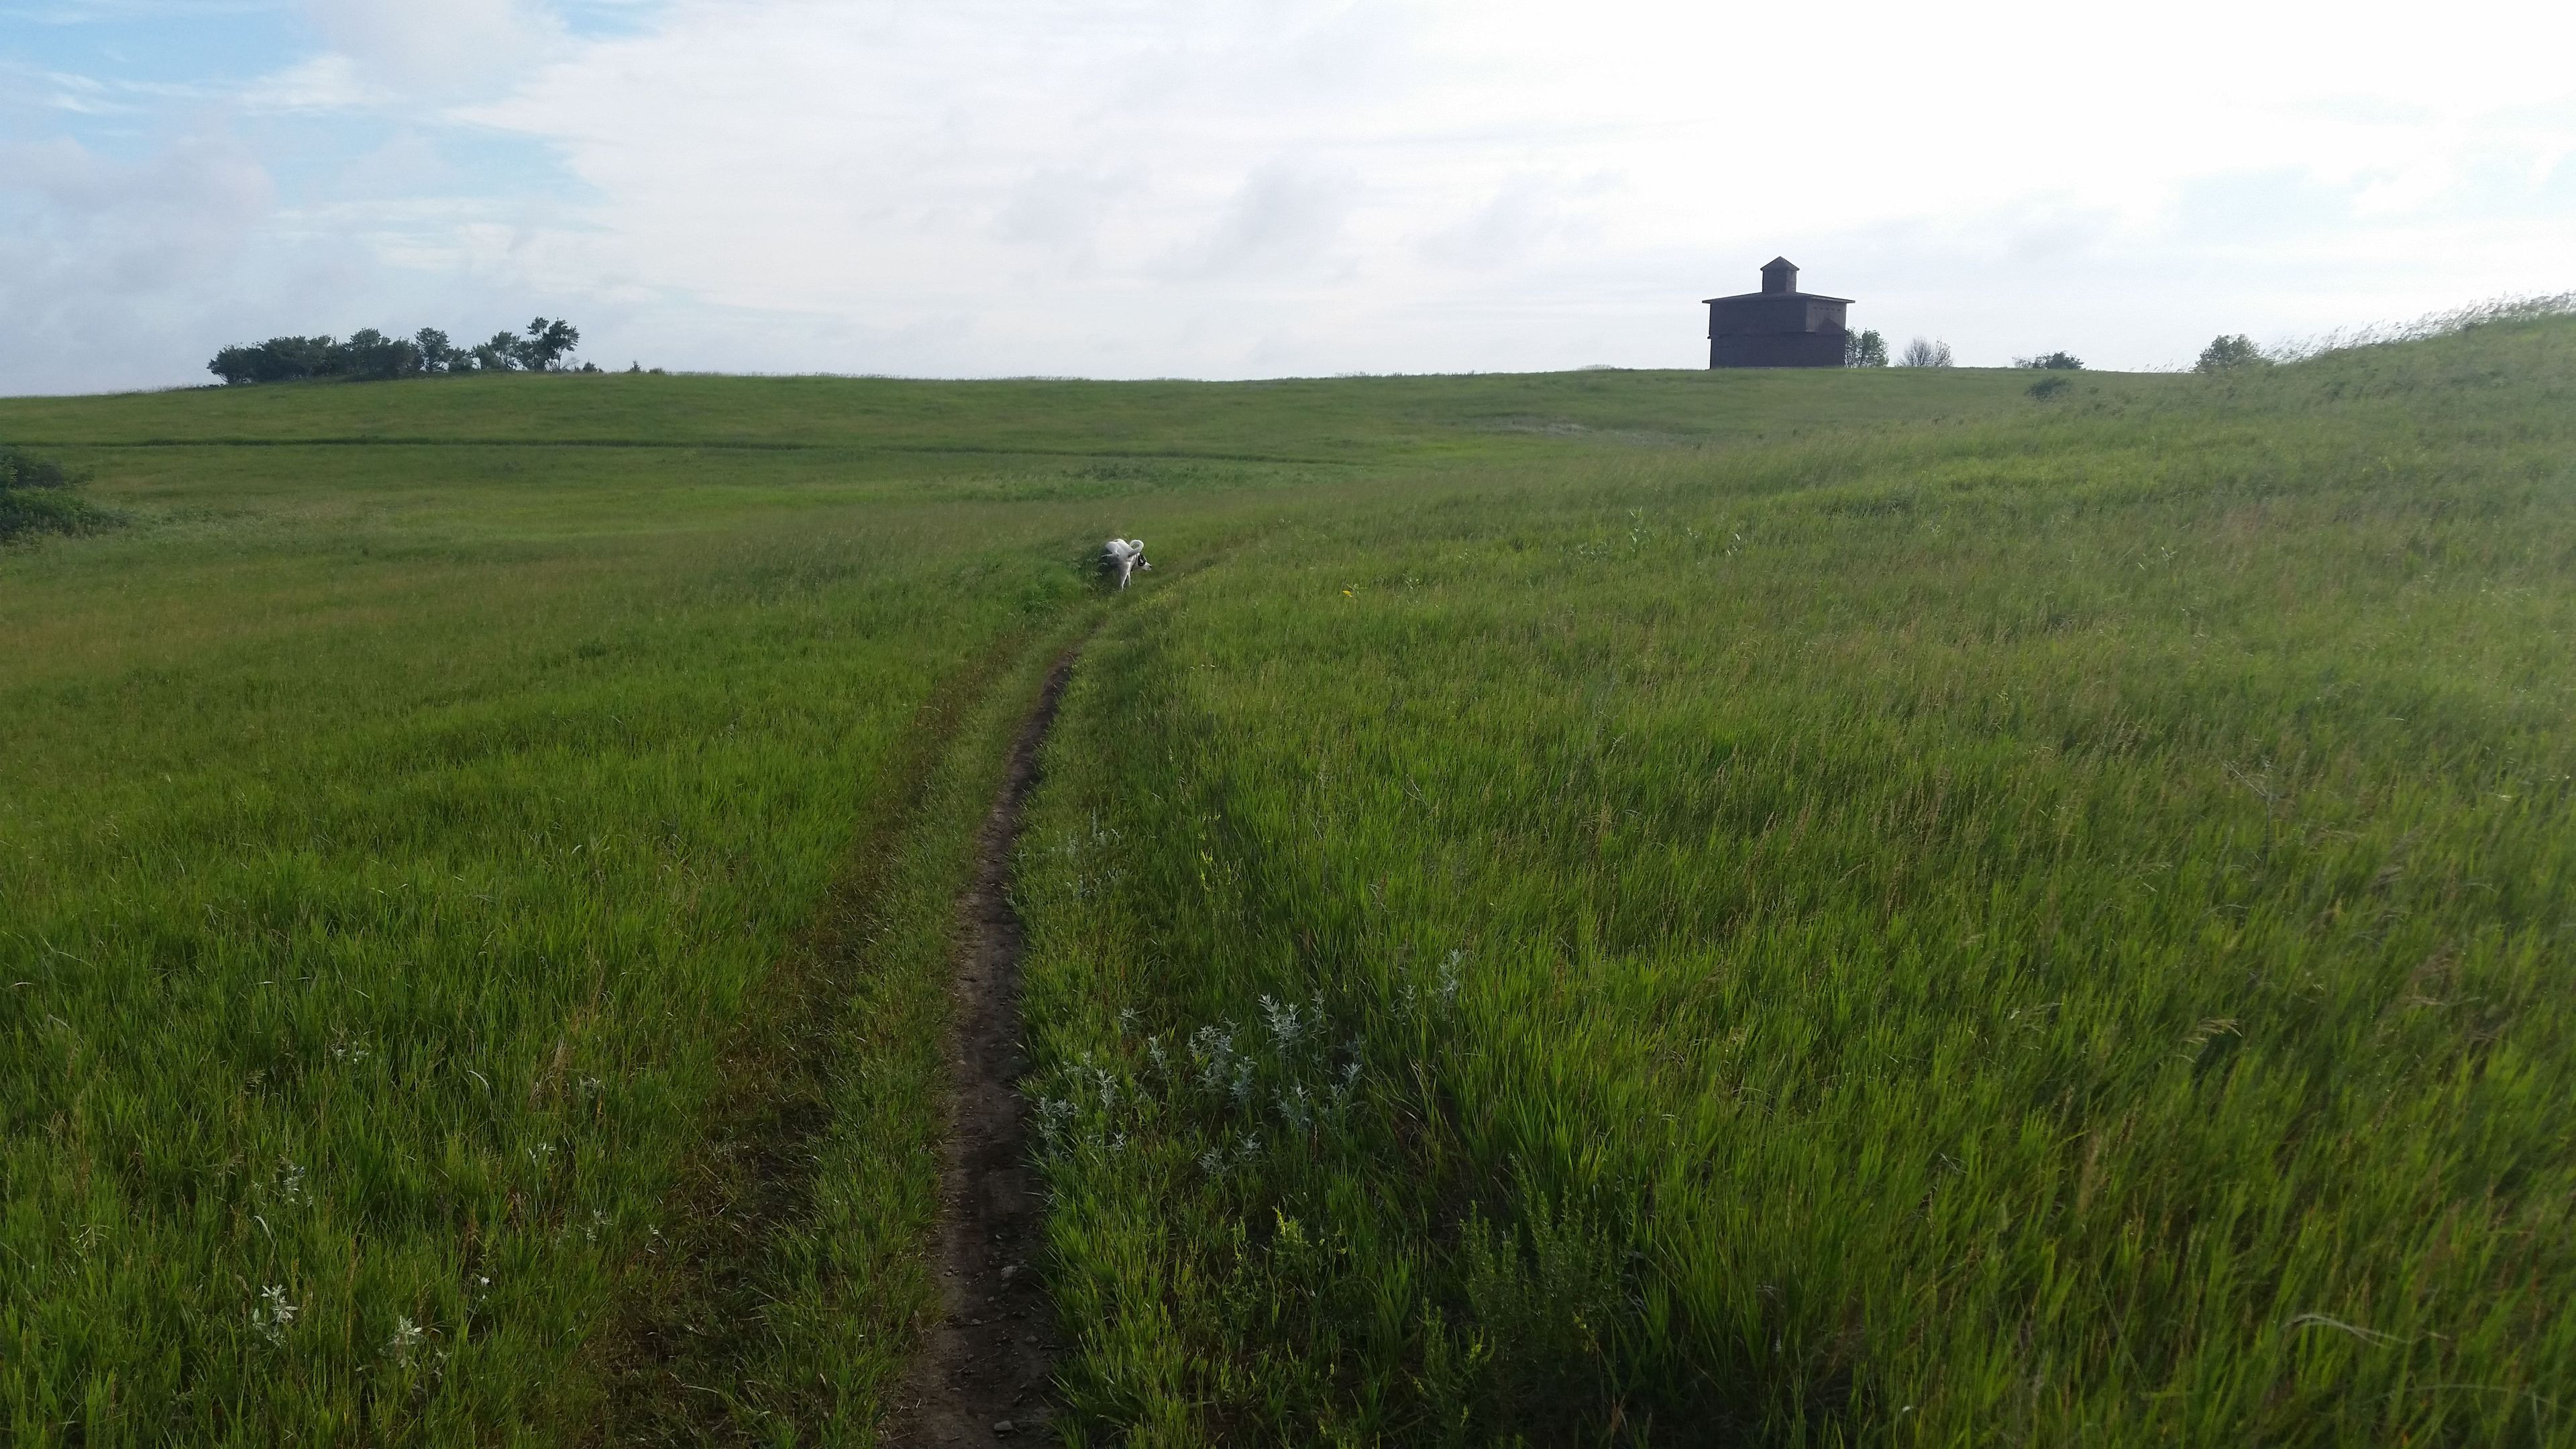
[[40, 495]]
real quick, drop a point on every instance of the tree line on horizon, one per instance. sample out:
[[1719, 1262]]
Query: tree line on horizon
[[1869, 349], [370, 356]]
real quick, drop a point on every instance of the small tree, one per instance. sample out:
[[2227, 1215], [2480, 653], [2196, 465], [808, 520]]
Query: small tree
[[1924, 352], [2226, 353], [2052, 362], [1864, 349], [501, 354], [547, 343], [371, 354], [437, 354]]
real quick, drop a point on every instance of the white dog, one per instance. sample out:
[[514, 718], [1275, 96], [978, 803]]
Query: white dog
[[1122, 557]]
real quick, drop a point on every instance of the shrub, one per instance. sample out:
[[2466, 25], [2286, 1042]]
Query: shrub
[[36, 496], [1924, 352], [279, 359], [2227, 352], [2052, 362], [2049, 387]]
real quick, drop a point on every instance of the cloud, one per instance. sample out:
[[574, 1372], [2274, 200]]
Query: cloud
[[90, 220], [1285, 218], [434, 46], [1062, 211], [1126, 187], [327, 82], [101, 260], [1522, 215]]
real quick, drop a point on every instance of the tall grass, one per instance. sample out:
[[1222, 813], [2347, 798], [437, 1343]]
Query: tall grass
[[1602, 908], [2049, 930], [475, 863], [376, 901]]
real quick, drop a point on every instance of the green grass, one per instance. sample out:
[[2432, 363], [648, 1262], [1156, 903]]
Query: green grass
[[1865, 906], [494, 891], [385, 858], [2051, 931]]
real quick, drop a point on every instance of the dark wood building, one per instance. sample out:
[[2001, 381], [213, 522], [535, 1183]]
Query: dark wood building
[[1778, 326]]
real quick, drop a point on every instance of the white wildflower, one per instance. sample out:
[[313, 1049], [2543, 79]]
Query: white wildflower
[[407, 1339], [272, 1314]]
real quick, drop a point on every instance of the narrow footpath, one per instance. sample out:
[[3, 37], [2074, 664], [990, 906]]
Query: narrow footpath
[[983, 1374]]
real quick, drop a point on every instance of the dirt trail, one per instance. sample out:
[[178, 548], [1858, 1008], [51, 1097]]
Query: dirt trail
[[983, 1375]]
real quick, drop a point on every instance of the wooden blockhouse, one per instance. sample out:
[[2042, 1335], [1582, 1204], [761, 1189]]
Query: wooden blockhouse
[[1778, 326]]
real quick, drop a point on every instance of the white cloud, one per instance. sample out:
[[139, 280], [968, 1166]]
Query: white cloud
[[435, 46], [1128, 187], [1284, 219], [1374, 167], [99, 258], [327, 82]]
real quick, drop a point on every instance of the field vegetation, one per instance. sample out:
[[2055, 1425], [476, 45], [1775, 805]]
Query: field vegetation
[[2044, 931], [1602, 908]]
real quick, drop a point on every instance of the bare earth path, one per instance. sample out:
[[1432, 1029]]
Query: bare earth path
[[982, 1378]]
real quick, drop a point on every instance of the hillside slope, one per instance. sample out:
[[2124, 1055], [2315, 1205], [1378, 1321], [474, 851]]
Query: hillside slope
[[2053, 931], [1609, 907]]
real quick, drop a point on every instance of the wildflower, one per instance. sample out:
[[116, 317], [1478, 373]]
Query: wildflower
[[406, 1341], [1284, 1024], [272, 1313], [1213, 1050], [1293, 1109]]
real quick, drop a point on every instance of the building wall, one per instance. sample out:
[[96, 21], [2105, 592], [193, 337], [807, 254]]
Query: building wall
[[1775, 331], [1776, 349]]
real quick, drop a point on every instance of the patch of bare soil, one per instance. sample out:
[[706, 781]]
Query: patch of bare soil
[[985, 1370]]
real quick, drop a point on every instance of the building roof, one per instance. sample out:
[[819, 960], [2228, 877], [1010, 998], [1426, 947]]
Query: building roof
[[1801, 296]]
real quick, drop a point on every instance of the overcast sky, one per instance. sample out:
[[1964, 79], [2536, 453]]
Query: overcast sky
[[1231, 188]]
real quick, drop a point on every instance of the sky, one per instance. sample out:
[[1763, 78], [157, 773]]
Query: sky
[[1253, 188]]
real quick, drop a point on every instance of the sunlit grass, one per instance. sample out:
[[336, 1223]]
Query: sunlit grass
[[1612, 907], [2047, 931]]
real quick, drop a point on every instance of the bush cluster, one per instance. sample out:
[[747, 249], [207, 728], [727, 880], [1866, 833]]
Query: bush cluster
[[2052, 362], [1864, 349], [369, 355], [2225, 353], [36, 496]]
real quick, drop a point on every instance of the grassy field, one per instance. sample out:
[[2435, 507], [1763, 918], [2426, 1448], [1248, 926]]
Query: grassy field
[[1598, 908], [2050, 931]]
